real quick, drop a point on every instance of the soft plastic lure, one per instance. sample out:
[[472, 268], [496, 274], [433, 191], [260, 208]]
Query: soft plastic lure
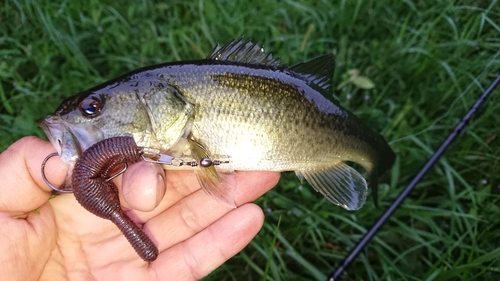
[[94, 190]]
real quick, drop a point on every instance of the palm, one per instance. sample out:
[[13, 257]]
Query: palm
[[193, 232]]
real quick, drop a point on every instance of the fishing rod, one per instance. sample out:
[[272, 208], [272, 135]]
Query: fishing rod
[[369, 235]]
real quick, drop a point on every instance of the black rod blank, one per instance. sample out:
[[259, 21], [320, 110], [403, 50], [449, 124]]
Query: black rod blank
[[369, 235]]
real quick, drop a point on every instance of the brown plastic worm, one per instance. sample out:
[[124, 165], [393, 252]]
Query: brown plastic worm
[[100, 196]]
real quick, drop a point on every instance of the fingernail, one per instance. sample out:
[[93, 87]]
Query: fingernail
[[160, 188]]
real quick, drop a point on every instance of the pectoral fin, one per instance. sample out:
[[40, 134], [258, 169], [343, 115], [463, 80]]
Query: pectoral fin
[[341, 184], [199, 152], [221, 188]]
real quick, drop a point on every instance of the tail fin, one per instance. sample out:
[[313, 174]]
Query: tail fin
[[385, 160]]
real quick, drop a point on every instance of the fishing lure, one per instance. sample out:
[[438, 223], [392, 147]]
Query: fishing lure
[[93, 189]]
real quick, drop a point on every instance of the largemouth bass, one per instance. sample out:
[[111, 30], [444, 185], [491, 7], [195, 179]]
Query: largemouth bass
[[240, 107]]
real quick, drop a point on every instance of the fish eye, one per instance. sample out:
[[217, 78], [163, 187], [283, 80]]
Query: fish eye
[[90, 107]]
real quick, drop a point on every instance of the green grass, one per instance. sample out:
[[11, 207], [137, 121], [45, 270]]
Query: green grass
[[429, 61]]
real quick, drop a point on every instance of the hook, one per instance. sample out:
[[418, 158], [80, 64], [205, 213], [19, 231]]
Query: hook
[[45, 178], [125, 166]]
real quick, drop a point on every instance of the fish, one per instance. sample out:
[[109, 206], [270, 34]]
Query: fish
[[241, 108]]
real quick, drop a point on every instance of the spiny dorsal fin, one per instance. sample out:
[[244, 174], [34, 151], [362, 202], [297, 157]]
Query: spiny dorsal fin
[[317, 71], [243, 52]]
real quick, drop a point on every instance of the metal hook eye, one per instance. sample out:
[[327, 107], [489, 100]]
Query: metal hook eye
[[45, 178], [125, 166]]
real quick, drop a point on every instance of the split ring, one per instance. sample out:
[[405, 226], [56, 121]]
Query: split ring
[[45, 178]]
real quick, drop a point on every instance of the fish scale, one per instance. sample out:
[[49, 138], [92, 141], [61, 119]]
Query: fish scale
[[305, 127]]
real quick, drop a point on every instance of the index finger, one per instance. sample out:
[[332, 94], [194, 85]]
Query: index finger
[[23, 188]]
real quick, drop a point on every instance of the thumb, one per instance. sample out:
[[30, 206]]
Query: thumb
[[22, 186], [143, 186]]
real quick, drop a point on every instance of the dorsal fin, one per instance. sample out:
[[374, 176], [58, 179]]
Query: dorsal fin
[[243, 52], [317, 71]]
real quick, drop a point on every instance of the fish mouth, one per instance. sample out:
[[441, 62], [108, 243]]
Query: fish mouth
[[60, 137], [68, 138]]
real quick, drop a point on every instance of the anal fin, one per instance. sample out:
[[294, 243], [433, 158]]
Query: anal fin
[[342, 185]]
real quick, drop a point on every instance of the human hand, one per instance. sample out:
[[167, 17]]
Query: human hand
[[62, 241]]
